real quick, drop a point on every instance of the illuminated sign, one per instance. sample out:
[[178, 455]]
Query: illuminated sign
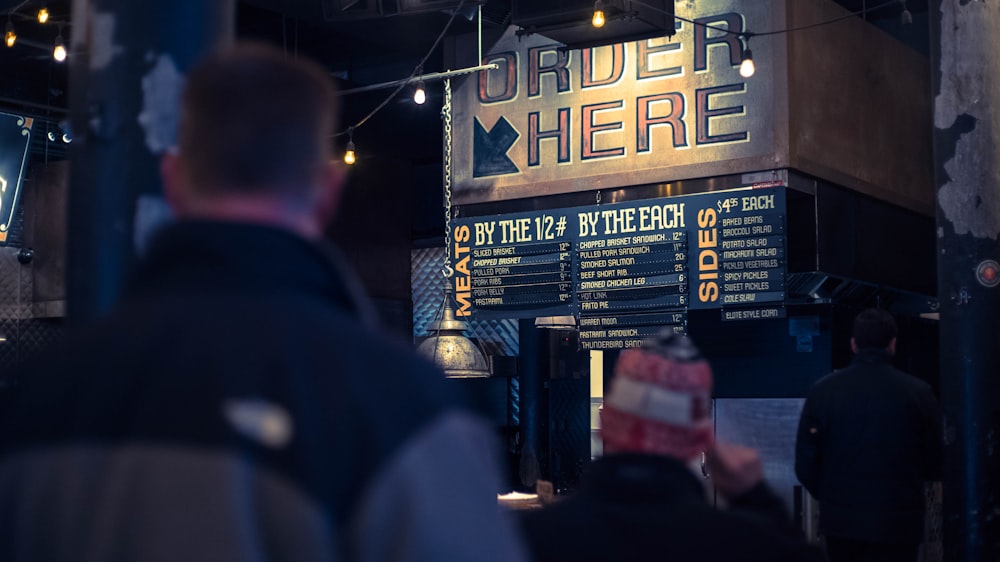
[[551, 120], [15, 138]]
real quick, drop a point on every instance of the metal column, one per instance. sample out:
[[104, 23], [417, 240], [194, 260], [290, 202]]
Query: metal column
[[127, 61], [532, 373], [966, 82]]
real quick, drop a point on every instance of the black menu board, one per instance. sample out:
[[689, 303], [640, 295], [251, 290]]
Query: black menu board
[[626, 270]]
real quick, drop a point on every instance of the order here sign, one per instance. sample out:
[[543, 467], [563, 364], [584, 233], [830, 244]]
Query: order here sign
[[550, 120]]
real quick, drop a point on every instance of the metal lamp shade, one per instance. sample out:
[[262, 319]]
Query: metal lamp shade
[[450, 350]]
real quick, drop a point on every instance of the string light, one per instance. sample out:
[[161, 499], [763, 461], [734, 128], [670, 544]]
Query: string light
[[848, 15], [747, 64], [59, 51], [44, 16], [906, 16], [747, 67], [350, 157], [419, 94], [598, 19], [10, 37]]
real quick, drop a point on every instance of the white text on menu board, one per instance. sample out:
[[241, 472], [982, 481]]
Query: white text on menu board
[[647, 218], [635, 219], [521, 230], [708, 239]]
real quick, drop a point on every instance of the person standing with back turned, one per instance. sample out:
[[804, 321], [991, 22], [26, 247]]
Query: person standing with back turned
[[869, 438], [236, 405], [644, 499]]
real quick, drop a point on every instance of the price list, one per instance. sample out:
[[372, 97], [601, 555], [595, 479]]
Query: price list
[[627, 330], [625, 270], [522, 276], [752, 257], [514, 267]]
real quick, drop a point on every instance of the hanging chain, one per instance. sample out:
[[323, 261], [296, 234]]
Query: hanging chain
[[446, 116]]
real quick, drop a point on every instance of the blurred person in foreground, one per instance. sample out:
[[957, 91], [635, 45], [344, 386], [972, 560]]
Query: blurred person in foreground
[[238, 405], [869, 438], [645, 499]]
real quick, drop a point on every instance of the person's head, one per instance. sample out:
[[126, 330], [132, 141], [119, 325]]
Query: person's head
[[254, 141], [660, 401], [874, 329]]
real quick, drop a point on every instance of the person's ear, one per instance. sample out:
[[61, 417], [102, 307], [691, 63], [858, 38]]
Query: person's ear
[[891, 348], [174, 184], [854, 346], [333, 177]]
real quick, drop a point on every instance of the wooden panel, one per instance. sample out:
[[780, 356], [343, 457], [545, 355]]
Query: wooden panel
[[859, 112]]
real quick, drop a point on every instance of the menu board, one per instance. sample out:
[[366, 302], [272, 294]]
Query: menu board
[[627, 330], [625, 270], [753, 253]]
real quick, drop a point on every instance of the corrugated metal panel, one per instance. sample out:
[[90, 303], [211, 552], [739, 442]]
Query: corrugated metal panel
[[498, 337], [35, 335], [569, 430], [24, 335], [12, 285], [8, 348]]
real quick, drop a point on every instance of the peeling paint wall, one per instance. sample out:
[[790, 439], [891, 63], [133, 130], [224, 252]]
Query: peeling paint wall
[[125, 87], [967, 163], [100, 33], [161, 101], [965, 105]]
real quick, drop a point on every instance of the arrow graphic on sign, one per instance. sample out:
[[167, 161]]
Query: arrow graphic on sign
[[489, 149]]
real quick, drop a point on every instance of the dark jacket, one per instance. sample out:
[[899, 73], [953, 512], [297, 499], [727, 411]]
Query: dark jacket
[[235, 407], [868, 439], [646, 507]]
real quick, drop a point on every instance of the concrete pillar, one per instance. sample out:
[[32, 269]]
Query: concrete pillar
[[966, 78], [128, 61]]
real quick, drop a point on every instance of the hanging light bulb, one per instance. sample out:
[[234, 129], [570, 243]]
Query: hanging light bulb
[[59, 51], [419, 93], [906, 16], [599, 18], [747, 67], [43, 14], [349, 157], [11, 36]]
